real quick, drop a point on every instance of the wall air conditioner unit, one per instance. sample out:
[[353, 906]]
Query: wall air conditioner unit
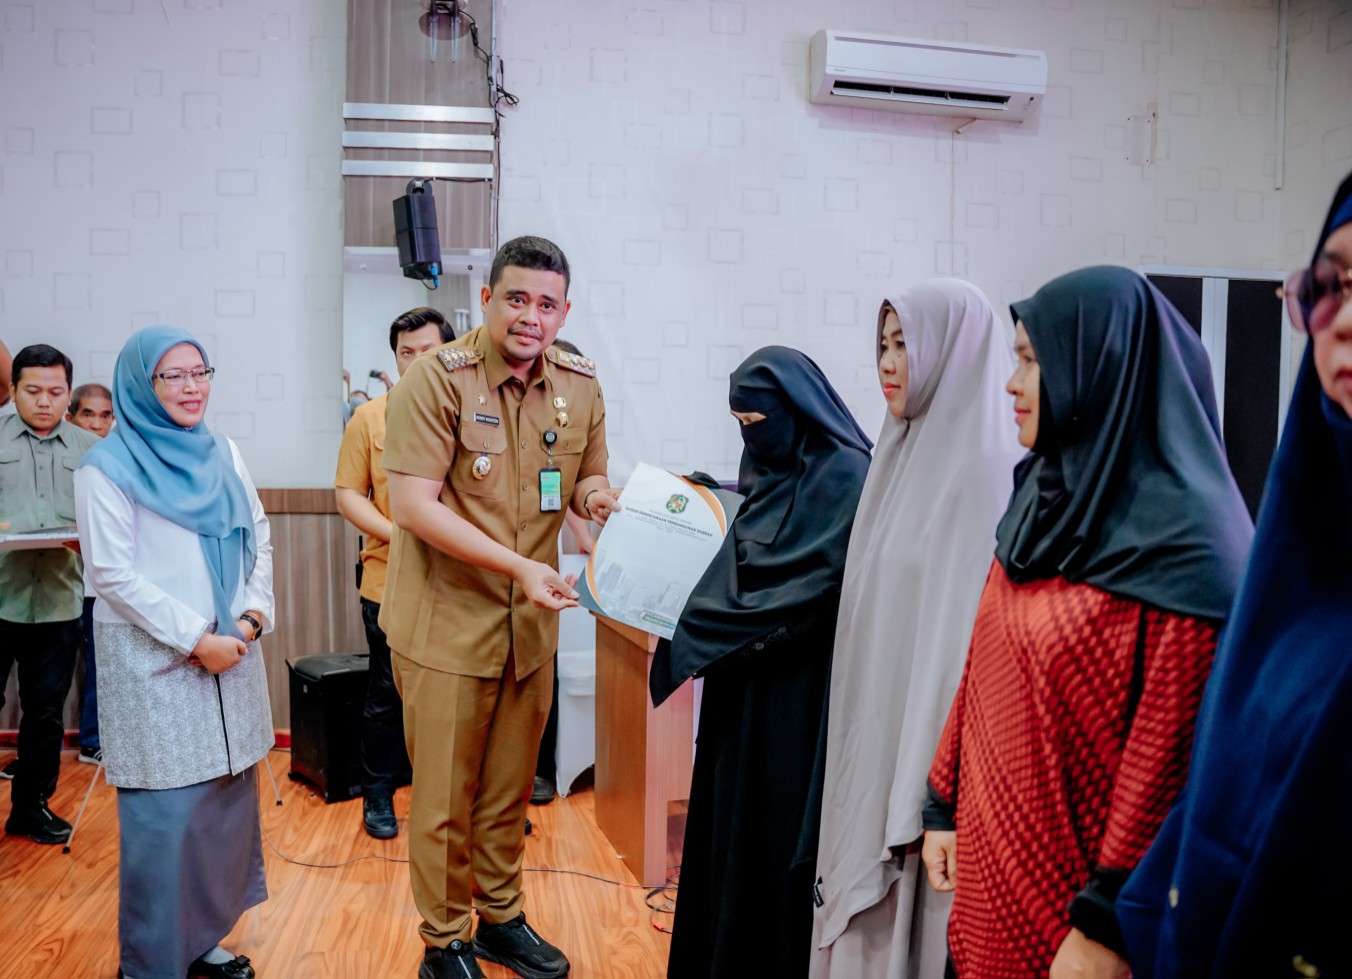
[[904, 74]]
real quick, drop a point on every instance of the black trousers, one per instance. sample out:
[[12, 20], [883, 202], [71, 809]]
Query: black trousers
[[384, 756], [545, 765], [45, 653]]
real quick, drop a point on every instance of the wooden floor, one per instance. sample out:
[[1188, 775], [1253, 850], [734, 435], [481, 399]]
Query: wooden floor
[[58, 913]]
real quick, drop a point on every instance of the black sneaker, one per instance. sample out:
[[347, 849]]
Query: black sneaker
[[516, 945], [455, 961], [90, 756], [11, 769], [542, 791], [38, 823], [378, 817]]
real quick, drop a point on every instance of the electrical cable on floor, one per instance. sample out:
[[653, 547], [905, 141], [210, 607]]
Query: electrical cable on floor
[[667, 906]]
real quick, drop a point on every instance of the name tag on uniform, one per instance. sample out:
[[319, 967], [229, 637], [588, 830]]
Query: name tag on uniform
[[551, 490], [487, 419]]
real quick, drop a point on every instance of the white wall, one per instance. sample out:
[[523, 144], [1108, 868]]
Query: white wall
[[708, 209], [178, 162]]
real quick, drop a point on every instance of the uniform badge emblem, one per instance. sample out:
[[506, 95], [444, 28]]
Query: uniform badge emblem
[[482, 467]]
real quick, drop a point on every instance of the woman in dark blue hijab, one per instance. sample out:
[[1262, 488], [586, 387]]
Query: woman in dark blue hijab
[[1250, 875], [759, 627]]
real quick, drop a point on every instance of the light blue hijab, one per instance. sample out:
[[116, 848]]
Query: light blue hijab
[[186, 475]]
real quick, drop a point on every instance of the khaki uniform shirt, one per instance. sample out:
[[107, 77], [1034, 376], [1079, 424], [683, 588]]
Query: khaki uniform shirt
[[361, 468], [37, 492], [455, 406]]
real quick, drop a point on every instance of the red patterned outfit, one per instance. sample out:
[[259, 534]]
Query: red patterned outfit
[[1066, 745]]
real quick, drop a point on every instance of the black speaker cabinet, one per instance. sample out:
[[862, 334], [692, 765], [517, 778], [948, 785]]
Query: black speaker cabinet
[[328, 695]]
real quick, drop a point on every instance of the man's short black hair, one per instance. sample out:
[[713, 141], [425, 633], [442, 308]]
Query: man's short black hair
[[416, 319], [87, 391], [530, 252], [42, 355]]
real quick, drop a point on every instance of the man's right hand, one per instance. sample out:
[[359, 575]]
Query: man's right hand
[[939, 854], [216, 654], [545, 587]]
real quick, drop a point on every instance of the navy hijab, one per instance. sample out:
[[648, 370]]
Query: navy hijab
[[186, 475], [783, 560], [1128, 488], [1252, 870]]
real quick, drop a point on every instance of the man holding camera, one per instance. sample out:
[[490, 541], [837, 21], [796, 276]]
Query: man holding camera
[[363, 499]]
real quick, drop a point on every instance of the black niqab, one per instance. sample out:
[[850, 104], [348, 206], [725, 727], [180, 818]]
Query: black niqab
[[1128, 488], [802, 472]]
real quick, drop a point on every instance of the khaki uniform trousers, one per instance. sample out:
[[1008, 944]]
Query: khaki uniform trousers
[[473, 743]]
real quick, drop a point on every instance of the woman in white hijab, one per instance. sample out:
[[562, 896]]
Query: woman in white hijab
[[919, 553]]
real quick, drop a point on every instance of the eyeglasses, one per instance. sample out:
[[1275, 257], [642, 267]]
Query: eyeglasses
[[1314, 296], [176, 379]]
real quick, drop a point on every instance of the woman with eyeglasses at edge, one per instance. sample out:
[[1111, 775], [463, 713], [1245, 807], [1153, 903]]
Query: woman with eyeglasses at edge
[[176, 548], [1251, 873], [1115, 565]]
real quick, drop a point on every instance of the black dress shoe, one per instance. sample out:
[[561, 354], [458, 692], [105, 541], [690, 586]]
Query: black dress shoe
[[542, 791], [455, 961], [378, 817], [38, 823], [236, 968], [516, 945]]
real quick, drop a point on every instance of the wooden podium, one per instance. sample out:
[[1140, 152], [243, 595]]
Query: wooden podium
[[643, 754]]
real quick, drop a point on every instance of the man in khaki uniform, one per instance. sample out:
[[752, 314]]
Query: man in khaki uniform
[[364, 501], [487, 439]]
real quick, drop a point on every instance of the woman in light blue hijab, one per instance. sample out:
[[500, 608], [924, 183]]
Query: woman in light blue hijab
[[176, 548]]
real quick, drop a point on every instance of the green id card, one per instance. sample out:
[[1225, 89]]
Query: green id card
[[551, 490]]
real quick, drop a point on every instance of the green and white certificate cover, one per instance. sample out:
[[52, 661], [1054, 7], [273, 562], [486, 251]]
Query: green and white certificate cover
[[652, 553]]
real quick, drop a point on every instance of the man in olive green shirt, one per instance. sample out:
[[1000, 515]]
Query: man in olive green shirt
[[41, 594]]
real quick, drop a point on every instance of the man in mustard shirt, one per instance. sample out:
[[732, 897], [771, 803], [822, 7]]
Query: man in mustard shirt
[[486, 442], [40, 590], [364, 501]]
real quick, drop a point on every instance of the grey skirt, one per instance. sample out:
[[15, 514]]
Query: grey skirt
[[191, 865]]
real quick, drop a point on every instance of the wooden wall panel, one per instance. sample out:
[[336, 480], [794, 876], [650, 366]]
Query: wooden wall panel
[[389, 61]]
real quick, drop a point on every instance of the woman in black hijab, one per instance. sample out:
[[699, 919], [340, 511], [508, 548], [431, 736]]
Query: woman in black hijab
[[1116, 564], [759, 627]]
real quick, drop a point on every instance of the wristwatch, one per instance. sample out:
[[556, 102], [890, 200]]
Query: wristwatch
[[257, 626]]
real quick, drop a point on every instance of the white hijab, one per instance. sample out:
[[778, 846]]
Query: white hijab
[[920, 551]]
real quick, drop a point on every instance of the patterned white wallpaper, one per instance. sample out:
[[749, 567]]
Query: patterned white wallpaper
[[709, 209], [178, 162]]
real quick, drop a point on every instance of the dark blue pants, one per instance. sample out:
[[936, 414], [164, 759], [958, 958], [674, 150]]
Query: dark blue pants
[[45, 653], [384, 756], [89, 706]]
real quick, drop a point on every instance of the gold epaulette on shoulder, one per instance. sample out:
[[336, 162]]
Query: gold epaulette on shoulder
[[454, 358], [573, 362]]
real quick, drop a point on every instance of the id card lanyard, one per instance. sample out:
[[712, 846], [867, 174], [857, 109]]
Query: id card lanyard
[[551, 478]]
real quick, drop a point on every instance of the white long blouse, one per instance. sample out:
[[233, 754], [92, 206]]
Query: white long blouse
[[150, 572]]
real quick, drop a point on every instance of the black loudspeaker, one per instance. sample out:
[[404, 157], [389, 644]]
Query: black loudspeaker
[[328, 696]]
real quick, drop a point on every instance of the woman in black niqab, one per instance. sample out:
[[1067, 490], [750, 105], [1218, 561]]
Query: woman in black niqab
[[759, 627]]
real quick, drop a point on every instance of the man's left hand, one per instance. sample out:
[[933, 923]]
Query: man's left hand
[[1080, 958]]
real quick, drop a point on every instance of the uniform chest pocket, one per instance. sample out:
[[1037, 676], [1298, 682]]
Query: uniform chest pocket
[[65, 489], [9, 472], [480, 464], [567, 459]]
